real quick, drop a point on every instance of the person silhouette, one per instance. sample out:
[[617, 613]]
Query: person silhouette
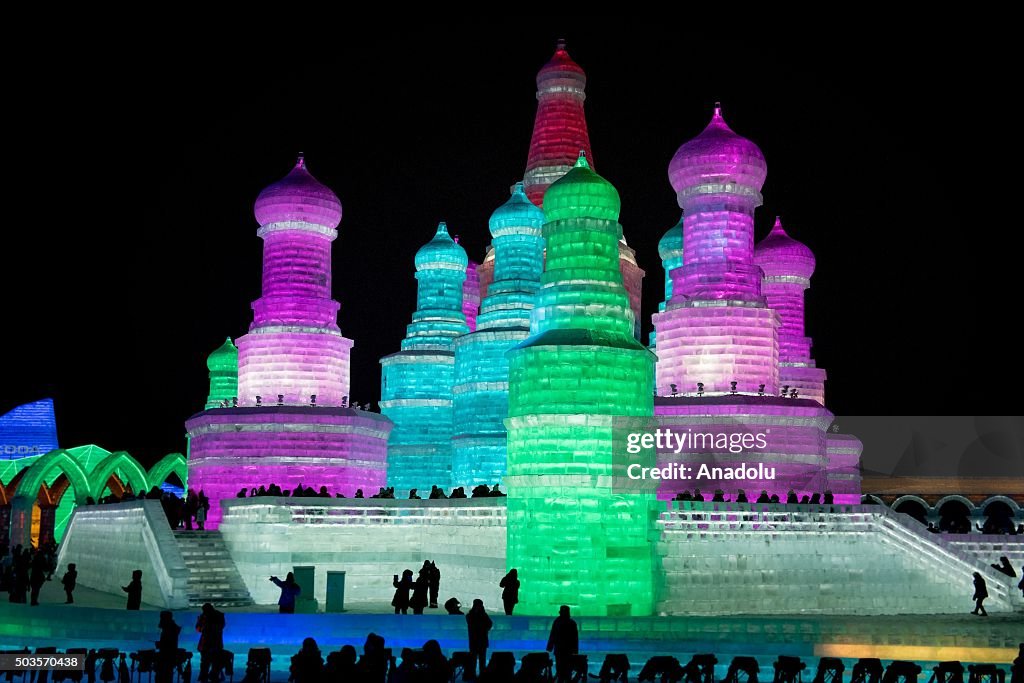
[[434, 583], [40, 568], [69, 581], [420, 589], [453, 606], [373, 665], [478, 623], [134, 590], [289, 591], [166, 647], [510, 590], [564, 642], [307, 664], [980, 593], [1004, 567], [401, 600], [210, 626], [341, 665]]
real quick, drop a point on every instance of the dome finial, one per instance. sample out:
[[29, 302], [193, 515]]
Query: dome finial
[[777, 228], [560, 45], [582, 162], [442, 228], [718, 110], [301, 161]]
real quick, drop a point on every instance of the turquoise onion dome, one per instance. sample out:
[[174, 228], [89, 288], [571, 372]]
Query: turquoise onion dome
[[517, 212], [670, 245], [441, 252]]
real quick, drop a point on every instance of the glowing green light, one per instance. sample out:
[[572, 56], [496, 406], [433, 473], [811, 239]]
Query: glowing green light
[[573, 539]]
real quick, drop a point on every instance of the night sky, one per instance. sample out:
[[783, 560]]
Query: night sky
[[132, 251]]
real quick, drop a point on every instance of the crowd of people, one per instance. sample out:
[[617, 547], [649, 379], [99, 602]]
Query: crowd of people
[[719, 496], [24, 571], [422, 592], [186, 512]]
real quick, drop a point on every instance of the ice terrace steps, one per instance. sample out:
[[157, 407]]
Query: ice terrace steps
[[988, 549], [213, 576], [759, 559]]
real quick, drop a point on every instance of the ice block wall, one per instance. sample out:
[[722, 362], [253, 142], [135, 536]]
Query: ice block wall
[[370, 540], [109, 542]]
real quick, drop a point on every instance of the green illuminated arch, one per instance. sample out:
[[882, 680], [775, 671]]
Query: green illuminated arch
[[128, 469], [60, 460], [172, 462]]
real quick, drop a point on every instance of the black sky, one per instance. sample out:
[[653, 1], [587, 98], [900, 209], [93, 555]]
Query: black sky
[[133, 252]]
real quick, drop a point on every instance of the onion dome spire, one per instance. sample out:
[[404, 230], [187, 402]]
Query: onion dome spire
[[298, 197]]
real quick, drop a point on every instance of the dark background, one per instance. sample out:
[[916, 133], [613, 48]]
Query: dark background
[[131, 250]]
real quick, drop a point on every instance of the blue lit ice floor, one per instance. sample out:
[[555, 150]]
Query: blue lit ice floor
[[98, 619]]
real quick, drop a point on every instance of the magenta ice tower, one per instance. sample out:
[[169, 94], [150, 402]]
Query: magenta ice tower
[[732, 355], [717, 328], [787, 266], [292, 423]]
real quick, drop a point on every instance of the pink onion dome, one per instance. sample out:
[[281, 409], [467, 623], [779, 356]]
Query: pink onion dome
[[717, 156], [780, 254], [298, 197]]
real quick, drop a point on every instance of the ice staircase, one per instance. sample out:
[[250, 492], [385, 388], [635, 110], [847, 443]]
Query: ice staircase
[[729, 558], [988, 549], [213, 576]]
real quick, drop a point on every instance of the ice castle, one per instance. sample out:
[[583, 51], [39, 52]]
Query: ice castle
[[524, 370]]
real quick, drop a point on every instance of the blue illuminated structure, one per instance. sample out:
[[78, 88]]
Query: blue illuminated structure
[[416, 382], [670, 249], [29, 429], [481, 368]]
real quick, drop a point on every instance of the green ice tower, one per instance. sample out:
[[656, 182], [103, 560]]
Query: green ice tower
[[223, 366], [575, 539]]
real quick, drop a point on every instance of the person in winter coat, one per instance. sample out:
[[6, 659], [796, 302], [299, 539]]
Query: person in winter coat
[[510, 590], [478, 624], [289, 591], [401, 600]]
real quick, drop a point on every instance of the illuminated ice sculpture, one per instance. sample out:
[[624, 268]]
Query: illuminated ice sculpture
[[572, 538], [559, 135], [787, 266], [416, 382], [717, 328], [481, 366], [730, 339], [292, 424], [223, 367]]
